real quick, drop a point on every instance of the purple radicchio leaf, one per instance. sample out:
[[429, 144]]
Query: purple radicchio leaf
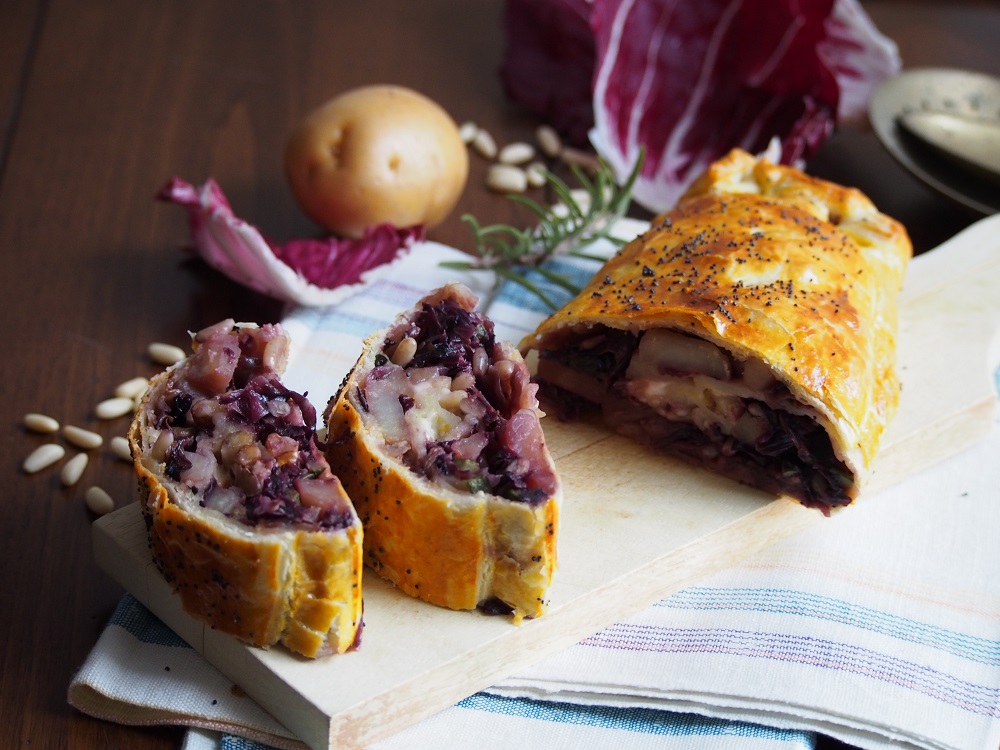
[[311, 272], [549, 62], [690, 81]]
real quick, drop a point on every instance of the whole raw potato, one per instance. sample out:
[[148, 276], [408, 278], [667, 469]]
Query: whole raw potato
[[377, 154]]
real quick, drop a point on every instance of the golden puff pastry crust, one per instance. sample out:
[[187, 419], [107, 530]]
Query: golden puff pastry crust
[[442, 452], [274, 577], [771, 267]]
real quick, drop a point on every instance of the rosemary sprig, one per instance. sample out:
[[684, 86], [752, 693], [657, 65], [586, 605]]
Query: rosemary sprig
[[507, 251]]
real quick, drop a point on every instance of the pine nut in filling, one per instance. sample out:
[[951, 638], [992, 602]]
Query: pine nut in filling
[[402, 355], [505, 369], [42, 457], [463, 381], [72, 470], [480, 361], [82, 438], [452, 400], [40, 423]]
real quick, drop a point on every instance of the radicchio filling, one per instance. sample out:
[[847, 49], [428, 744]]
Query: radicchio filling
[[229, 431], [684, 395], [454, 406]]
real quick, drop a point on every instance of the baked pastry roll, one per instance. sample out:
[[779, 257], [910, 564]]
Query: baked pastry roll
[[752, 330], [245, 519], [436, 436]]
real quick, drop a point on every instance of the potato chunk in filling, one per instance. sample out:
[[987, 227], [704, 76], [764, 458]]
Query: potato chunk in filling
[[683, 394], [456, 406]]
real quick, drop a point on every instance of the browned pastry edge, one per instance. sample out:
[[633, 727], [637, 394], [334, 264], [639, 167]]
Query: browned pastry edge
[[299, 587]]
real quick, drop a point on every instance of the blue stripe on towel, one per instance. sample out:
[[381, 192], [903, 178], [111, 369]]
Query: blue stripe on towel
[[808, 650], [131, 615], [641, 720], [576, 271], [805, 604]]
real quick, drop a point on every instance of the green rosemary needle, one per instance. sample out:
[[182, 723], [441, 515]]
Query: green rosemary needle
[[563, 229]]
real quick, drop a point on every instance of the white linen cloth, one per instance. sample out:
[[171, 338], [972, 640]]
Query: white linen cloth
[[880, 626]]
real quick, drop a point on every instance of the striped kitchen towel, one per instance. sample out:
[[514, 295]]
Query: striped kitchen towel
[[880, 626]]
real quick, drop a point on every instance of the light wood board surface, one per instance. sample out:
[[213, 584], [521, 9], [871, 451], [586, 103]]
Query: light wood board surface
[[635, 527]]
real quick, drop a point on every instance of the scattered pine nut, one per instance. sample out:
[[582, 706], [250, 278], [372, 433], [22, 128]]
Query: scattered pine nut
[[484, 144], [82, 438], [40, 423], [42, 457], [72, 470], [535, 172], [506, 178], [114, 407], [133, 388], [516, 153], [99, 501], [467, 131], [120, 447], [165, 354], [548, 140]]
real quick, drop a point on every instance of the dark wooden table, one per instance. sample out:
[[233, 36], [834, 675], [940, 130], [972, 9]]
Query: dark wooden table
[[101, 103]]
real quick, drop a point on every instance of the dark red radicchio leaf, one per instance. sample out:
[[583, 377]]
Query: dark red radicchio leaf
[[549, 62], [314, 272], [689, 81]]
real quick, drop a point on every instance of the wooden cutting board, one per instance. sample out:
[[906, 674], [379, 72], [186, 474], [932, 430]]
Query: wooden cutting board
[[635, 528]]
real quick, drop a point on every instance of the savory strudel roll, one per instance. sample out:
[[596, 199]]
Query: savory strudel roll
[[751, 329], [245, 519], [436, 436]]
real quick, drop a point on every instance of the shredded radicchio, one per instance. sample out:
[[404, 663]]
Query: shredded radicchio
[[242, 440], [689, 81], [497, 447], [310, 271]]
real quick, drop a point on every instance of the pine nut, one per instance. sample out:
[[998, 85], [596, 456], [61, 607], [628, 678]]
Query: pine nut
[[402, 355], [548, 140], [42, 457], [463, 381], [516, 153], [165, 354], [133, 388], [72, 470], [82, 438], [120, 447], [535, 173], [505, 178], [99, 501], [452, 399], [114, 407], [467, 131], [484, 144], [40, 423], [480, 361]]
